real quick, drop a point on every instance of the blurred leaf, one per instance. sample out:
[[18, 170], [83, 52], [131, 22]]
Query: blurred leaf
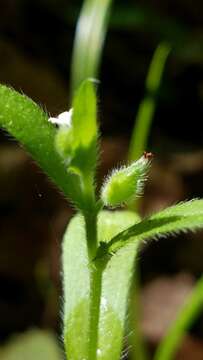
[[28, 123], [186, 317], [130, 18], [89, 40], [147, 107], [186, 41], [33, 345]]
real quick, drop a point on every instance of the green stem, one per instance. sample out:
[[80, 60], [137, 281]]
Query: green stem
[[90, 216], [95, 284], [88, 189], [95, 298], [91, 233], [184, 320]]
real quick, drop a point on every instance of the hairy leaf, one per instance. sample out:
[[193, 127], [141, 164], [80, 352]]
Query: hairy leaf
[[28, 123], [76, 280], [115, 285], [181, 217], [76, 289]]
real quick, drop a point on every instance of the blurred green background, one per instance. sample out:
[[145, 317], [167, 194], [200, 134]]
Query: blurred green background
[[36, 43]]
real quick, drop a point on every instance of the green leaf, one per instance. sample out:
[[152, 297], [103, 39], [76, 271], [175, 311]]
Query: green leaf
[[89, 40], [76, 280], [77, 143], [32, 345], [76, 289], [115, 285], [182, 217], [84, 123], [85, 114], [28, 123]]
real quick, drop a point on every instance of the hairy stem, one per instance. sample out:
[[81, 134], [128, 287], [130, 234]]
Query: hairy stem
[[91, 233], [95, 284], [95, 299]]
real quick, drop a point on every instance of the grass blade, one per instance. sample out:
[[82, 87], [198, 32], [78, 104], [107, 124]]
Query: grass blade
[[188, 314], [147, 107], [89, 40]]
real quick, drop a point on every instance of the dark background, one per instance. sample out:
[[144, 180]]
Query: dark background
[[36, 40]]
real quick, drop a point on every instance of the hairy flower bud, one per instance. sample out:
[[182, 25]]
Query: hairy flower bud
[[125, 183]]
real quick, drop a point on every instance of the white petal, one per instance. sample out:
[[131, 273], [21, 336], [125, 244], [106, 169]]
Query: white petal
[[64, 119]]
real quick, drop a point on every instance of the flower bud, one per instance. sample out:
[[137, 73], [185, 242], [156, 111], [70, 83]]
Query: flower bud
[[125, 183]]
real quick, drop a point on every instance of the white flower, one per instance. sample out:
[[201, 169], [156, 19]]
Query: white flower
[[64, 119]]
